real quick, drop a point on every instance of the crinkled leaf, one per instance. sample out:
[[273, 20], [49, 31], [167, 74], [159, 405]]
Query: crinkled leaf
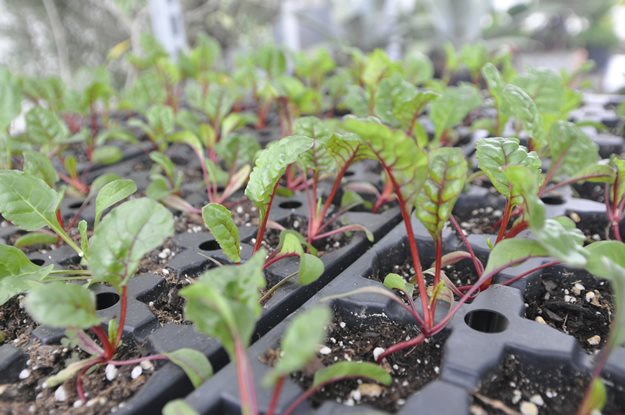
[[17, 273], [450, 108], [606, 259], [525, 183], [224, 302], [495, 154], [597, 173], [112, 193], [45, 127], [521, 106], [571, 148], [418, 67], [398, 102], [341, 370], [39, 165], [219, 221], [270, 165], [320, 132], [356, 99], [194, 363], [27, 201], [447, 174], [61, 305], [35, 238], [300, 342], [407, 162], [495, 84], [545, 87], [124, 236]]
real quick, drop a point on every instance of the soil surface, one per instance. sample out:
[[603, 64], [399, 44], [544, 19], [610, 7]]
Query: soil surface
[[573, 302], [356, 340], [29, 396], [15, 323], [591, 191], [168, 306], [521, 387], [593, 226]]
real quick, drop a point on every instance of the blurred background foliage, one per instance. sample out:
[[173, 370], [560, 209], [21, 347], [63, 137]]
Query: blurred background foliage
[[60, 37]]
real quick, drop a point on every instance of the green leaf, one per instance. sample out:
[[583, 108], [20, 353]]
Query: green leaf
[[356, 99], [35, 238], [525, 182], [10, 98], [300, 342], [570, 148], [493, 79], [272, 59], [474, 56], [598, 395], [101, 181], [165, 163], [195, 365], [219, 221], [45, 127], [452, 106], [597, 173], [619, 166], [179, 407], [39, 165], [106, 155], [70, 371], [17, 273], [447, 174], [270, 165], [187, 137], [84, 238], [563, 241], [61, 305], [408, 163], [509, 250], [544, 87], [521, 106], [224, 302], [397, 282], [112, 193], [418, 67], [310, 269], [398, 102], [606, 259], [495, 154], [341, 370], [71, 165], [126, 234], [27, 201]]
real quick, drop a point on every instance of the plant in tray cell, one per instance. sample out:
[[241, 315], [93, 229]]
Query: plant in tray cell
[[115, 250], [450, 109], [224, 303], [159, 124], [313, 68]]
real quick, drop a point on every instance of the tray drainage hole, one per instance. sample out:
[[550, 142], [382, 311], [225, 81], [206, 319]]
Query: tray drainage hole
[[106, 300], [38, 261], [486, 321], [75, 205], [290, 204], [211, 245], [553, 200]]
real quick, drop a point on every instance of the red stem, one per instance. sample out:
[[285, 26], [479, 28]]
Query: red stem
[[245, 380], [504, 221], [108, 347], [59, 218], [269, 262], [263, 225], [275, 396], [416, 261], [477, 264], [531, 271], [401, 346], [122, 316], [516, 229]]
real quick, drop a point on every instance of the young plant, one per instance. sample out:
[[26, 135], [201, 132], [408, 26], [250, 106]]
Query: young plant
[[158, 125], [450, 109], [115, 250], [224, 303]]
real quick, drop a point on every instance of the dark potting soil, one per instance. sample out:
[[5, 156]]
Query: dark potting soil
[[156, 261], [479, 221], [300, 224], [520, 386], [15, 323], [591, 191], [356, 340], [573, 302], [168, 306], [28, 396]]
